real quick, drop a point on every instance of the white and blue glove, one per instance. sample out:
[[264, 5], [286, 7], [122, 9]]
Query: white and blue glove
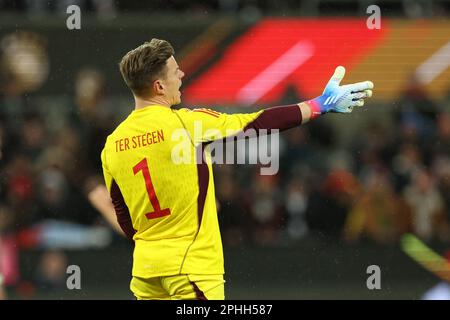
[[340, 99]]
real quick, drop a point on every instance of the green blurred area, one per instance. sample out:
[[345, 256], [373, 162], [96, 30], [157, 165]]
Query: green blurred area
[[312, 269], [308, 269]]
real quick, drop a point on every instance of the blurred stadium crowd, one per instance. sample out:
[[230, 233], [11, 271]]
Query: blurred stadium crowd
[[391, 177]]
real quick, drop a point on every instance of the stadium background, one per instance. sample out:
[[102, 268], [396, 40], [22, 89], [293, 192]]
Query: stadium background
[[348, 187]]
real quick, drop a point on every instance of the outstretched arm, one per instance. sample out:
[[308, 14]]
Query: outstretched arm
[[123, 219]]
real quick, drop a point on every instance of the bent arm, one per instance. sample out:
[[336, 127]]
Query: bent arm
[[205, 125], [123, 217], [281, 118]]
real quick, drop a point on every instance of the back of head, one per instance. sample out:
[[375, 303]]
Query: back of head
[[144, 64]]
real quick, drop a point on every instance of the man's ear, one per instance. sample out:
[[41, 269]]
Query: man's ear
[[158, 87]]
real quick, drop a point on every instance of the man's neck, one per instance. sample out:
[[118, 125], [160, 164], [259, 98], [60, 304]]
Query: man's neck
[[140, 103]]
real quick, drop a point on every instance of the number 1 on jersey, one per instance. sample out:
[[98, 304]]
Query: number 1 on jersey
[[158, 213]]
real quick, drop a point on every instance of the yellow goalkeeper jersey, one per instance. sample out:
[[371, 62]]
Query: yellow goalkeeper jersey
[[162, 191]]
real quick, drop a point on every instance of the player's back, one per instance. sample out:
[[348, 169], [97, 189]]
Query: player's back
[[160, 194]]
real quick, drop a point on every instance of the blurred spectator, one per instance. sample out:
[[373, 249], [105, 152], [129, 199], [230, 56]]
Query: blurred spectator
[[416, 113], [2, 140], [66, 153], [441, 142], [232, 216], [2, 290], [296, 150], [47, 171], [34, 136], [404, 164], [418, 8], [9, 250], [19, 190], [53, 194], [441, 172], [92, 117], [427, 206], [440, 291], [37, 8], [100, 199]]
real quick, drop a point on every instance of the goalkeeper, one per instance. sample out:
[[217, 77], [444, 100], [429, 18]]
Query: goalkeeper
[[168, 209]]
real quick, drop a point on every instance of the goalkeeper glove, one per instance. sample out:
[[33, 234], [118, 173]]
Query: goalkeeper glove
[[340, 99]]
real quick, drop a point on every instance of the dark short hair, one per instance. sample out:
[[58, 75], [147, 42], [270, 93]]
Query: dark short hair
[[144, 64]]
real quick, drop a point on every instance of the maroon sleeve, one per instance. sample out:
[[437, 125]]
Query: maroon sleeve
[[122, 212], [282, 118]]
